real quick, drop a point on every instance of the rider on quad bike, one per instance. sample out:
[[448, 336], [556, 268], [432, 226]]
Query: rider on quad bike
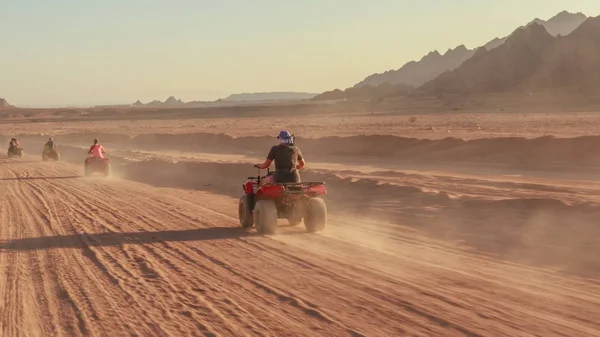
[[288, 160], [50, 144], [96, 150], [13, 143], [285, 196]]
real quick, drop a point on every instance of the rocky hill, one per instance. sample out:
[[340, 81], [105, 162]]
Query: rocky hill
[[366, 92], [268, 96], [4, 103], [572, 61], [561, 24], [170, 102], [416, 73], [173, 102], [530, 59]]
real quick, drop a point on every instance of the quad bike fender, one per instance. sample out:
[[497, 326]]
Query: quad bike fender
[[316, 190], [97, 160], [249, 187], [269, 192], [310, 190]]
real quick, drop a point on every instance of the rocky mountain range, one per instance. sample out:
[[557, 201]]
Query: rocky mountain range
[[416, 73], [169, 102], [173, 102], [268, 96], [366, 92], [530, 59]]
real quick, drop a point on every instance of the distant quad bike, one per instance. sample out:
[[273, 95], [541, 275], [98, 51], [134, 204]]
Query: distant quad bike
[[14, 151], [97, 165], [261, 206], [50, 154]]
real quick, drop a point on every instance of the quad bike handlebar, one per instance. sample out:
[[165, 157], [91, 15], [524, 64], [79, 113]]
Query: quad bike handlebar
[[258, 167], [258, 177]]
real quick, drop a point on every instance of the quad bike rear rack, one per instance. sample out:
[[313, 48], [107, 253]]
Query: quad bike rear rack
[[298, 188]]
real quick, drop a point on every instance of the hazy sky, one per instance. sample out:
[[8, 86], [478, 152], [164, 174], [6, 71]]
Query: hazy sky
[[74, 52]]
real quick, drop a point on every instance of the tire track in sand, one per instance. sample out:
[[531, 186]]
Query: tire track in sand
[[126, 252], [148, 220], [410, 307]]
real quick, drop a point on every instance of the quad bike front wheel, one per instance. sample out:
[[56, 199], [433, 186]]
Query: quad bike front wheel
[[265, 217], [244, 213], [315, 219]]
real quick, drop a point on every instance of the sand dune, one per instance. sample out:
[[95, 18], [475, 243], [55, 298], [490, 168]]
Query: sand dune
[[472, 209], [446, 236], [516, 152], [105, 256]]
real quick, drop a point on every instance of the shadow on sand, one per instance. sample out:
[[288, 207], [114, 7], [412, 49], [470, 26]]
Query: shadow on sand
[[40, 178], [6, 160], [116, 239]]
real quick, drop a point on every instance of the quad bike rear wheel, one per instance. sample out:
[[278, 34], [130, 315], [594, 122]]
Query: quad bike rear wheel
[[244, 212], [316, 215], [265, 217], [51, 154], [295, 216], [10, 154]]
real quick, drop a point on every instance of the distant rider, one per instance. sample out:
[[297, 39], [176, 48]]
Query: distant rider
[[50, 144], [97, 151], [288, 159], [13, 143]]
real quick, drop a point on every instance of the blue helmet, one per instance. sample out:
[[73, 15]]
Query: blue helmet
[[284, 134]]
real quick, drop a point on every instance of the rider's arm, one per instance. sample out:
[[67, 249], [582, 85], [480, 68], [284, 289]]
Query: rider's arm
[[269, 160], [301, 161], [264, 165], [102, 149]]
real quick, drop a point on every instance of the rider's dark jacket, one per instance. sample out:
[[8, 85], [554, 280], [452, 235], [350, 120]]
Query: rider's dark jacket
[[286, 158]]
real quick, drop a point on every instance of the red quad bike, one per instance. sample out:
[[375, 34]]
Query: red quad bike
[[100, 165], [261, 206]]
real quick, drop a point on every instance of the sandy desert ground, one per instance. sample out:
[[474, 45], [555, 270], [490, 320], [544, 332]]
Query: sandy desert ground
[[440, 225]]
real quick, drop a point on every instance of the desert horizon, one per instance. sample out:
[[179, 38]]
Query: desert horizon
[[439, 193], [389, 84]]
